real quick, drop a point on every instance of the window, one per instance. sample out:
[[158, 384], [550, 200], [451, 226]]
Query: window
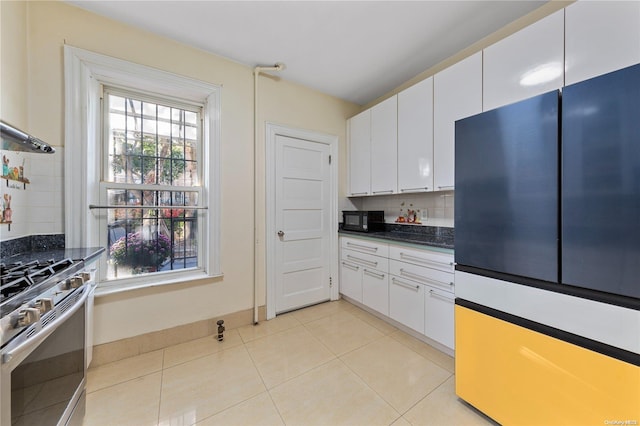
[[142, 171], [151, 151]]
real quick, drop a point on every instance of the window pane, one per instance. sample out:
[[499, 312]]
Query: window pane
[[148, 143], [144, 241]]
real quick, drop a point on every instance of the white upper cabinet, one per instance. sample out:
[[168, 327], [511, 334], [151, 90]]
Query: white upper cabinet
[[360, 154], [415, 138], [525, 64], [457, 93], [384, 147], [601, 36]]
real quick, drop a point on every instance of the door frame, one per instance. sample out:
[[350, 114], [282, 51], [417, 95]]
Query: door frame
[[272, 131]]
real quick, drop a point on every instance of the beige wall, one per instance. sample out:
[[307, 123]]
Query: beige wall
[[51, 25], [13, 60]]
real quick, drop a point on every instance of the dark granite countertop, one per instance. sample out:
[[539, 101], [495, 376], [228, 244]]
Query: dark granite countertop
[[43, 248], [431, 236], [86, 254]]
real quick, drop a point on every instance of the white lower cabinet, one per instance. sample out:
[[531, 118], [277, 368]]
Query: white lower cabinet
[[438, 319], [351, 280], [364, 277], [375, 290], [412, 286], [406, 303]]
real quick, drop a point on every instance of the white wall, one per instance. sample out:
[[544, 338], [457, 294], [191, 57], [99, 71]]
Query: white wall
[[37, 208], [439, 206]]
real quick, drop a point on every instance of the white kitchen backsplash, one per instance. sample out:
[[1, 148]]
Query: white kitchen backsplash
[[37, 207], [438, 205]]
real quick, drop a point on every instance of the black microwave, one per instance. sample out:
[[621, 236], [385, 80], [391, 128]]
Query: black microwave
[[363, 221]]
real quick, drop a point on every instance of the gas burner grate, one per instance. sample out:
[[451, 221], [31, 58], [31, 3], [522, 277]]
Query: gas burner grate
[[16, 278], [14, 287]]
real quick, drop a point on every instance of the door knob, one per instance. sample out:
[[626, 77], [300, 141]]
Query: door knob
[[280, 234]]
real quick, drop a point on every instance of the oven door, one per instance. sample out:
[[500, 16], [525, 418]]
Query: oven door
[[43, 377]]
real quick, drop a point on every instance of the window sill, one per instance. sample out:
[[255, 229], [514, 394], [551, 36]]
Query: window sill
[[116, 288]]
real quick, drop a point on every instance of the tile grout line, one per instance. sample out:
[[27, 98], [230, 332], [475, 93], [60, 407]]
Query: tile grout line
[[425, 357], [362, 378], [427, 395], [126, 381], [372, 389], [160, 390], [201, 356]]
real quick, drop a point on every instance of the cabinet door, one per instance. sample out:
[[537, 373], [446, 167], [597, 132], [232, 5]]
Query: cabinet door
[[438, 320], [360, 154], [406, 303], [375, 290], [384, 147], [525, 64], [600, 37], [457, 93], [375, 248], [428, 258], [415, 138], [432, 277], [351, 280]]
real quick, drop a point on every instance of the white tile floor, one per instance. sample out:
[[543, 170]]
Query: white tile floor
[[330, 364]]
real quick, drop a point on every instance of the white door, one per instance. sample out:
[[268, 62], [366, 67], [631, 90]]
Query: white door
[[302, 208]]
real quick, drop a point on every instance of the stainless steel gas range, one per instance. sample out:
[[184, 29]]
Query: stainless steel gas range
[[44, 298]]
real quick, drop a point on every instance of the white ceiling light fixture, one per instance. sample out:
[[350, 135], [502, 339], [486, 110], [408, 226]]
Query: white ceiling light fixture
[[541, 74]]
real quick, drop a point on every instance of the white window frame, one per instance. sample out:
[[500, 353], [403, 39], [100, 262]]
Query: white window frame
[[85, 73]]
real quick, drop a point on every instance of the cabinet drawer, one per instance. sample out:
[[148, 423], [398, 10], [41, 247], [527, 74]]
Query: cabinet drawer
[[430, 259], [364, 260], [406, 303], [433, 277], [351, 280], [438, 321], [375, 290], [365, 246]]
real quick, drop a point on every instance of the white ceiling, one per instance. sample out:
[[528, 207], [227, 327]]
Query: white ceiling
[[354, 50]]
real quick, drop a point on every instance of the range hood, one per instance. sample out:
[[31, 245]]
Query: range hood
[[17, 140]]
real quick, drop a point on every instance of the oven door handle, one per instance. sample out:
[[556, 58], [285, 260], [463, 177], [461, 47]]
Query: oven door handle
[[45, 332]]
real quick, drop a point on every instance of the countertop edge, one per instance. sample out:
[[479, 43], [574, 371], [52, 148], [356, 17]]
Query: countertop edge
[[413, 244]]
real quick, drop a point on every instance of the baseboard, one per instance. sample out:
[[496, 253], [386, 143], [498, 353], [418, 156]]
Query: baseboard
[[148, 342]]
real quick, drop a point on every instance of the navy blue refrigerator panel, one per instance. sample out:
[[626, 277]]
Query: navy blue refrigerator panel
[[601, 183], [506, 180]]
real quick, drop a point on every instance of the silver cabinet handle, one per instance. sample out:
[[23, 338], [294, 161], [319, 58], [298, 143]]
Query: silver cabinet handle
[[446, 186], [405, 285], [425, 279], [359, 193], [426, 188], [280, 233], [349, 243], [433, 293], [368, 272], [421, 260], [357, 259], [354, 267], [388, 191]]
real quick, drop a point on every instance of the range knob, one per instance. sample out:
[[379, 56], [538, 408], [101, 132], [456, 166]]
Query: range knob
[[75, 282], [86, 276], [44, 305], [28, 316]]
